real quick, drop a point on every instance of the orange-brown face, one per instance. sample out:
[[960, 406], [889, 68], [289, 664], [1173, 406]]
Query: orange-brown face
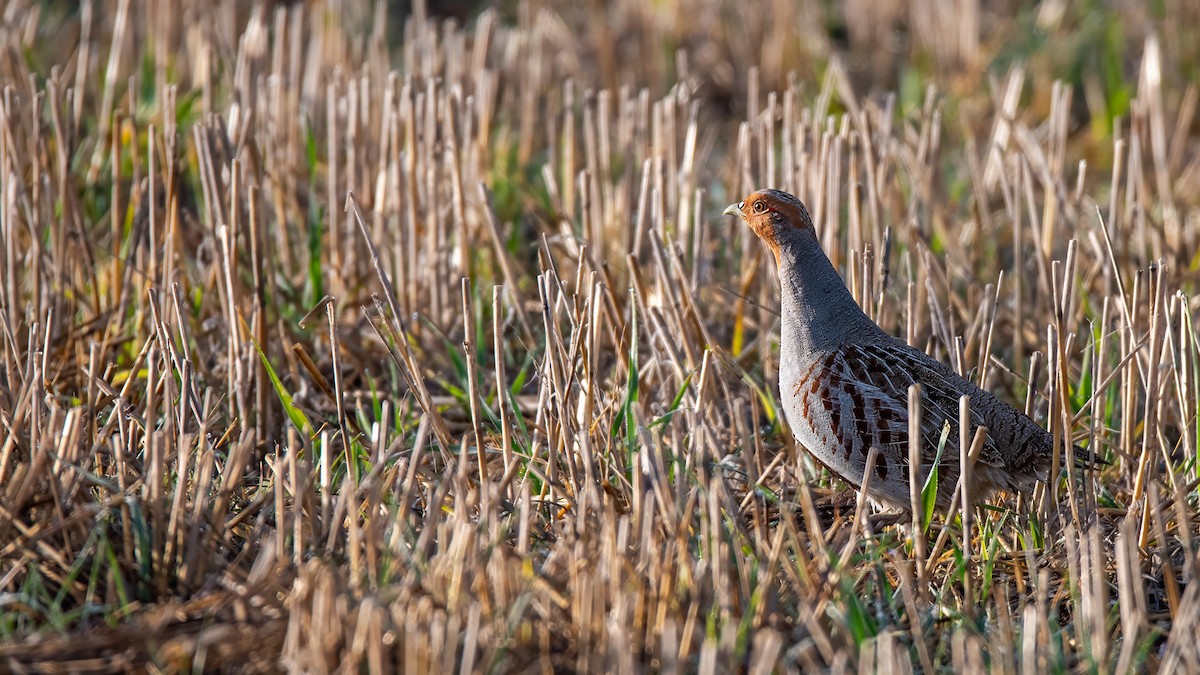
[[771, 213]]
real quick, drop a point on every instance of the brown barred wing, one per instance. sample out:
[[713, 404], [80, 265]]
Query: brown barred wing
[[844, 413], [1016, 447]]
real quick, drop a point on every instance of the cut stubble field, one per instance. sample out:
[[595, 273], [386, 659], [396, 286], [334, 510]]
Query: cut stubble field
[[334, 335]]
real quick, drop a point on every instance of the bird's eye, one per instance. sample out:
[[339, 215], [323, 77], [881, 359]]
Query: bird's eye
[[759, 206]]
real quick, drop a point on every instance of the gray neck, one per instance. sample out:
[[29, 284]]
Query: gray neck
[[818, 312]]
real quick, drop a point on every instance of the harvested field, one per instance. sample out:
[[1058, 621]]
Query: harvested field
[[361, 336]]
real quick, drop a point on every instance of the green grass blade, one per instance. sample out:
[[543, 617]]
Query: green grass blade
[[930, 490], [295, 414]]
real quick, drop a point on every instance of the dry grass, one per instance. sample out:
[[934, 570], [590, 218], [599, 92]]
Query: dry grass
[[331, 337]]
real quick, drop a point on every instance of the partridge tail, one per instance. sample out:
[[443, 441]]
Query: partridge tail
[[1088, 458]]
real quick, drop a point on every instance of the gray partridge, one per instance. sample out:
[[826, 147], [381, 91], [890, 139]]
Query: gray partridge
[[844, 381]]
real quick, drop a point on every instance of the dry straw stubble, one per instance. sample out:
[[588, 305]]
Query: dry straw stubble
[[249, 422]]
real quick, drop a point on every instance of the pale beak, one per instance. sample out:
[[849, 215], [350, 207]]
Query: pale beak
[[734, 210]]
